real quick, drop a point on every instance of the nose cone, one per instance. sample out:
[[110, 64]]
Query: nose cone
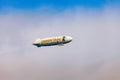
[[68, 38]]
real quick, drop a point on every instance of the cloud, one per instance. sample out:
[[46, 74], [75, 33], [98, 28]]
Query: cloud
[[93, 54]]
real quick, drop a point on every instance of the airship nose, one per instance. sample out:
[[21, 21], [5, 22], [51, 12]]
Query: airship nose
[[68, 38]]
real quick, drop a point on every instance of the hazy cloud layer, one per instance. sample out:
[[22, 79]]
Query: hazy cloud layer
[[93, 54]]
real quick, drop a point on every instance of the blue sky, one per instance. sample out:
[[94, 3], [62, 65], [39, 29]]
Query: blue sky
[[55, 4]]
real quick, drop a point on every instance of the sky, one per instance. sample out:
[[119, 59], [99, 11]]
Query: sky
[[93, 54], [33, 4]]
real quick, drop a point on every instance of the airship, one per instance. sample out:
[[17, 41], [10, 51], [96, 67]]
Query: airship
[[51, 41]]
